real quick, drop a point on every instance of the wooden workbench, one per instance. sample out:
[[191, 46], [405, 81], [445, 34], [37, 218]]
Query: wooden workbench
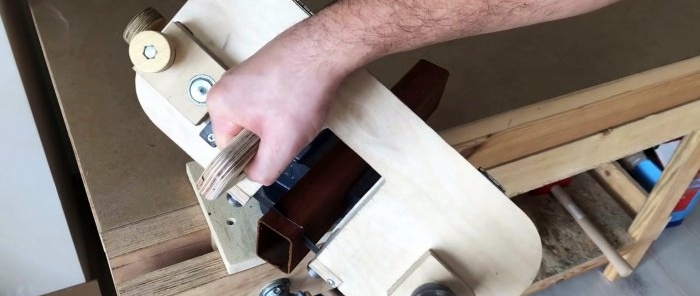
[[140, 197]]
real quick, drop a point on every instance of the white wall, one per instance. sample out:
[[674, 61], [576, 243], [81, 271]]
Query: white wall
[[37, 254]]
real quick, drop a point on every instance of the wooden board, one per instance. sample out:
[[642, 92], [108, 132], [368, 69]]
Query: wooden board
[[156, 242], [233, 229], [654, 82], [130, 169], [622, 186], [429, 269], [576, 157], [205, 275], [478, 215], [653, 218]]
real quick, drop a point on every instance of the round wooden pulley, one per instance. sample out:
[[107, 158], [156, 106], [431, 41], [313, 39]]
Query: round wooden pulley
[[147, 20], [151, 52]]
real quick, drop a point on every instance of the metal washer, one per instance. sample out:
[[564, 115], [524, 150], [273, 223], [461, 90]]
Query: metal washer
[[198, 88]]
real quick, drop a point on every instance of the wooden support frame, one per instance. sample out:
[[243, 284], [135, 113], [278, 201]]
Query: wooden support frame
[[653, 216]]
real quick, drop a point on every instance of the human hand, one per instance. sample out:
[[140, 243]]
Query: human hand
[[281, 94]]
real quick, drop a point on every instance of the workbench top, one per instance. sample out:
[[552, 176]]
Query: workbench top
[[131, 170]]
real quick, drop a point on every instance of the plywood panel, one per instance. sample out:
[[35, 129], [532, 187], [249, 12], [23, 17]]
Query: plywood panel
[[130, 169], [451, 202]]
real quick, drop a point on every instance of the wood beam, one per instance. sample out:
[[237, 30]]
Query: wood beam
[[654, 84], [621, 186], [653, 217], [579, 156], [206, 275], [154, 243], [571, 125]]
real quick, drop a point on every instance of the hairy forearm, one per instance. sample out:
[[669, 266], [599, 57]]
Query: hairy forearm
[[351, 33]]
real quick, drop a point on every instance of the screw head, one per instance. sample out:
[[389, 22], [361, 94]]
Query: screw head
[[150, 52], [331, 283]]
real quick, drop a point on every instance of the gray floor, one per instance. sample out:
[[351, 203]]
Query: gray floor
[[672, 267]]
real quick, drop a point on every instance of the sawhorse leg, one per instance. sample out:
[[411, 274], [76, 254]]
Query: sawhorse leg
[[653, 217]]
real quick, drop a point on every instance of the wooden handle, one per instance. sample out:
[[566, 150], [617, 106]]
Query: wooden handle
[[620, 264], [226, 170]]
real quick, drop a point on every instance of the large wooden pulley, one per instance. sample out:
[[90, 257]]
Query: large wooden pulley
[[149, 50]]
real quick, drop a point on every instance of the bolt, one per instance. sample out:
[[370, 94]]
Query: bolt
[[331, 283], [233, 202], [312, 273], [150, 52]]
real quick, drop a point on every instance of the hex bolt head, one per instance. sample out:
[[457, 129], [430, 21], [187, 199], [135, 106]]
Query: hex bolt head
[[150, 52]]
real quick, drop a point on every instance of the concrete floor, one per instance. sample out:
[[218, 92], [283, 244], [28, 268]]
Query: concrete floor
[[672, 267]]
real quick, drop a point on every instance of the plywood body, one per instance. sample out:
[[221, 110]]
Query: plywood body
[[448, 206]]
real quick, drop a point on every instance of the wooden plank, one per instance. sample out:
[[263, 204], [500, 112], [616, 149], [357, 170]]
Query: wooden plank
[[674, 181], [250, 282], [160, 255], [468, 135], [176, 278], [653, 217], [429, 269], [567, 126], [157, 242], [366, 112], [621, 186], [576, 157], [158, 229], [206, 275]]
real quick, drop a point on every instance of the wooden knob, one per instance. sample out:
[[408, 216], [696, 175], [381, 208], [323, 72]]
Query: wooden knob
[[226, 169], [147, 20], [151, 52]]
